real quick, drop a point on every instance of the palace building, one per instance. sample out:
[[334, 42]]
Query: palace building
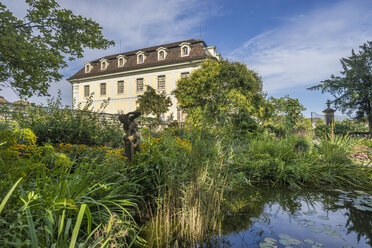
[[123, 77]]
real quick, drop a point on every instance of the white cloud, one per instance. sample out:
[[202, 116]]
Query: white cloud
[[307, 49], [137, 24]]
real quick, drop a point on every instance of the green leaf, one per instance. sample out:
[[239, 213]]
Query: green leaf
[[3, 202], [79, 219]]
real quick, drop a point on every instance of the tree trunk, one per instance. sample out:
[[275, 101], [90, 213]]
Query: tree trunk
[[369, 117]]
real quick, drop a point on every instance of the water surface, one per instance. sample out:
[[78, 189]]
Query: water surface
[[272, 217]]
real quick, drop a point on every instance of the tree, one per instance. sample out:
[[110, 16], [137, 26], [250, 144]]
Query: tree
[[288, 111], [220, 89], [33, 50], [353, 89], [150, 102]]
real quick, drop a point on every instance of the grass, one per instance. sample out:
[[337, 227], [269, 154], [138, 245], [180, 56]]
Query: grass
[[53, 194], [191, 179], [267, 160], [71, 196]]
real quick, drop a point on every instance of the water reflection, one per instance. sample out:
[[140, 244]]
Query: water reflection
[[295, 218]]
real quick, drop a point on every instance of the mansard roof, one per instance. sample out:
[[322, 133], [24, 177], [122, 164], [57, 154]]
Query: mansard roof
[[198, 51]]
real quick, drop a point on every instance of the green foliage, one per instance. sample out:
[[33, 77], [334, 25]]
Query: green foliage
[[367, 142], [151, 102], [340, 127], [3, 202], [185, 170], [243, 123], [220, 89], [296, 161], [288, 114], [321, 129], [349, 126], [60, 204], [335, 149], [56, 124], [352, 90], [75, 195], [33, 48], [11, 134]]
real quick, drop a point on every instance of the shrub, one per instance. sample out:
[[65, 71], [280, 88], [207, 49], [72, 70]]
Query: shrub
[[52, 199], [302, 144], [11, 134], [335, 149], [296, 161], [349, 126], [55, 124], [321, 129], [344, 127]]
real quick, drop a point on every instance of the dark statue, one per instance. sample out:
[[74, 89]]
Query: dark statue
[[131, 137]]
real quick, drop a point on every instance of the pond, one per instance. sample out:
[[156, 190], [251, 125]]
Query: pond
[[295, 218]]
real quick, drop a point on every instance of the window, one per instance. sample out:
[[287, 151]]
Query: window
[[120, 87], [185, 51], [185, 74], [161, 55], [87, 68], [140, 59], [103, 89], [121, 62], [86, 91], [141, 56], [161, 82], [104, 65], [140, 84]]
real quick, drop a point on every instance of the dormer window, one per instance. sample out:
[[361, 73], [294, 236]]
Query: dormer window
[[185, 49], [162, 53], [140, 57], [104, 64], [88, 67], [121, 60]]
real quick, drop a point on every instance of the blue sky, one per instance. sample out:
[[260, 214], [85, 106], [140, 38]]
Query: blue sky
[[292, 44]]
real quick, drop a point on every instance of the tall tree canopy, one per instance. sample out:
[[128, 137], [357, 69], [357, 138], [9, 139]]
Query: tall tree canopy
[[353, 89], [287, 113], [151, 102], [220, 89], [33, 49]]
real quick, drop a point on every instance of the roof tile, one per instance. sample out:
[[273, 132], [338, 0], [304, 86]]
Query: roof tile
[[198, 51]]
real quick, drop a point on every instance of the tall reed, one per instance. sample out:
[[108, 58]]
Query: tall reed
[[187, 210]]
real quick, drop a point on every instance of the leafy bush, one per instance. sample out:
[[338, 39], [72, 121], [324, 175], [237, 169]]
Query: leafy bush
[[55, 124], [335, 149], [344, 127], [52, 198], [295, 161], [288, 113], [349, 126], [321, 129], [11, 134]]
